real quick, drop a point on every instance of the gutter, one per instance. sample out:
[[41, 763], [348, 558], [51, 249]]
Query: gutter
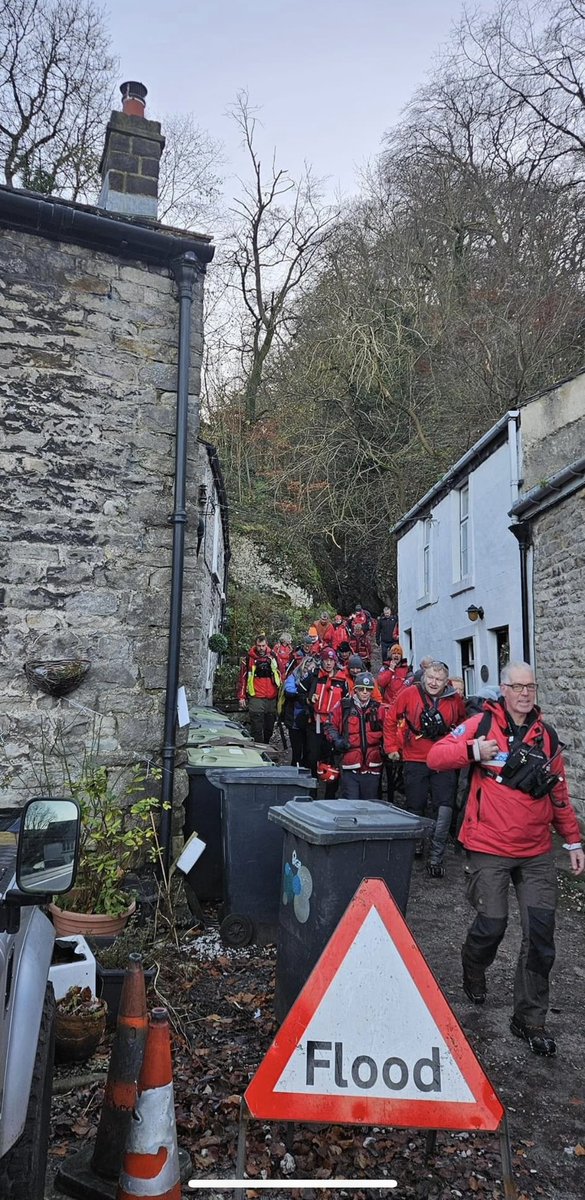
[[546, 495], [65, 221], [460, 467]]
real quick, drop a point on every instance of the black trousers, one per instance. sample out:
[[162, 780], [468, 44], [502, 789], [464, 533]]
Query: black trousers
[[422, 786], [356, 785]]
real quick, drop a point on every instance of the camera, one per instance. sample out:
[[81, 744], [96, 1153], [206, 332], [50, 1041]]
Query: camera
[[432, 725]]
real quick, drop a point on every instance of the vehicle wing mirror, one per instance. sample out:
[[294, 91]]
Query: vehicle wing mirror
[[48, 846]]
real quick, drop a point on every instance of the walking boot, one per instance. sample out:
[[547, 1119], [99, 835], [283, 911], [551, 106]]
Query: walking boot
[[474, 983], [538, 1039], [435, 870]]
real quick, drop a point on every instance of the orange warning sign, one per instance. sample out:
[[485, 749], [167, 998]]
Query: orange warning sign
[[371, 1039]]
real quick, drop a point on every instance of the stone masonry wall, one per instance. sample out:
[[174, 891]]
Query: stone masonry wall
[[559, 587], [88, 353]]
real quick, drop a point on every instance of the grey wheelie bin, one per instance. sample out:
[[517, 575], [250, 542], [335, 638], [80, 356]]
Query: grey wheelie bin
[[252, 847], [329, 847], [203, 809]]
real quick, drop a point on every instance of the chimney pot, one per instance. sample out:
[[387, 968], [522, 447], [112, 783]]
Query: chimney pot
[[133, 98]]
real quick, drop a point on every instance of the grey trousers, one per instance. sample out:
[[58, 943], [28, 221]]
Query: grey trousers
[[534, 881], [262, 718]]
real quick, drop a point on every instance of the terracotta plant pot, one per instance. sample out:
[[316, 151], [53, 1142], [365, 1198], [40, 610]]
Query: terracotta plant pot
[[67, 923], [78, 1034]]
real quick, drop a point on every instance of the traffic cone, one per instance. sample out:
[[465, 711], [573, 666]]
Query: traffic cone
[[122, 1083], [151, 1160]]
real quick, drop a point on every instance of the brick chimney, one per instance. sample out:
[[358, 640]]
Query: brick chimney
[[131, 158]]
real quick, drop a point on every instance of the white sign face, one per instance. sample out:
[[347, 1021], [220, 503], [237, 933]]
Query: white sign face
[[372, 1034], [182, 708]]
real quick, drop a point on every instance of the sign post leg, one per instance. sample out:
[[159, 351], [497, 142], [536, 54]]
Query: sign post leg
[[510, 1191], [430, 1144], [242, 1135]]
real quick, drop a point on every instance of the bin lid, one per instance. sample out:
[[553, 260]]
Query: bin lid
[[325, 822], [284, 776], [202, 757], [202, 735]]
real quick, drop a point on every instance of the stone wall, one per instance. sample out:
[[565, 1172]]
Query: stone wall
[[88, 354], [559, 587], [553, 431]]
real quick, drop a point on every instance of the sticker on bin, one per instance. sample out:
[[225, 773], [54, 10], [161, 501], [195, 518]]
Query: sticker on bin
[[371, 1038]]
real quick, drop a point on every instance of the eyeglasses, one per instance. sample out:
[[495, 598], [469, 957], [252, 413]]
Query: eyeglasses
[[517, 688], [364, 689]]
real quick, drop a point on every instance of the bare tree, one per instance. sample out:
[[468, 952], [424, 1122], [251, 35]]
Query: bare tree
[[56, 80], [189, 180], [536, 55], [281, 229]]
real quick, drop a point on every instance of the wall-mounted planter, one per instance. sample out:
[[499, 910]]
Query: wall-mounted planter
[[58, 676]]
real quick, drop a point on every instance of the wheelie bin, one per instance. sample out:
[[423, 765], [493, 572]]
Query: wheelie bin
[[252, 847], [329, 847], [203, 809]]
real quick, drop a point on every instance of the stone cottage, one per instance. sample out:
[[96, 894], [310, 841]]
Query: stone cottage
[[114, 535]]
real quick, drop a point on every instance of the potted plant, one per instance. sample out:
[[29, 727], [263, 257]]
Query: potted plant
[[117, 833], [80, 1021], [112, 960]]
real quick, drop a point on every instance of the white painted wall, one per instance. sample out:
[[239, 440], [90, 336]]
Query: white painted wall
[[439, 620]]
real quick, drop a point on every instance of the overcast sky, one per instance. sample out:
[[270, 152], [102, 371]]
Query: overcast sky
[[329, 76]]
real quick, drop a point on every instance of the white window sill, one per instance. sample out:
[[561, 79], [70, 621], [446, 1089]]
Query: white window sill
[[424, 602], [463, 585]]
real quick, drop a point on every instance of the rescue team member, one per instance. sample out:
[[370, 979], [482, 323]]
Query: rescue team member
[[337, 634], [258, 686], [323, 626], [355, 730], [356, 666], [284, 654], [517, 791], [324, 688], [361, 643], [393, 675], [387, 631], [294, 707], [420, 715]]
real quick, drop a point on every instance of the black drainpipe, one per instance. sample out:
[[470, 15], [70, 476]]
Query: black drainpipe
[[185, 270], [521, 531]]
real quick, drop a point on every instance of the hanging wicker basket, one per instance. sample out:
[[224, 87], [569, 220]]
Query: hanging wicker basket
[[59, 676]]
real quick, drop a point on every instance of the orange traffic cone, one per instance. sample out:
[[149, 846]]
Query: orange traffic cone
[[151, 1160], [125, 1063]]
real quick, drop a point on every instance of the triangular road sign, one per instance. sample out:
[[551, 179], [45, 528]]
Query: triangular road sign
[[371, 1039]]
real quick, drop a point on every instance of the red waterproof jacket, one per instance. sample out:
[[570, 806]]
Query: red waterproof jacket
[[283, 655], [259, 676], [323, 693], [402, 723], [336, 634], [390, 682], [361, 643], [500, 819], [357, 732]]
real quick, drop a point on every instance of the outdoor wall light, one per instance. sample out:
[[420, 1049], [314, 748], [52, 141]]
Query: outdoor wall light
[[475, 613]]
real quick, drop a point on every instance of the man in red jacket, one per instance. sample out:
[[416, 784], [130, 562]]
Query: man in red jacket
[[355, 729], [392, 677], [421, 714], [258, 686], [324, 688], [517, 791]]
